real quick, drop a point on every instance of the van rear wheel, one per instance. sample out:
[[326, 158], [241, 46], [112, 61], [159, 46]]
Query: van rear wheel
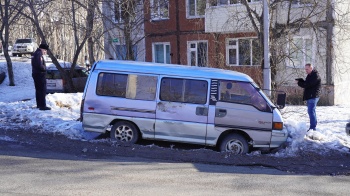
[[124, 132], [234, 143]]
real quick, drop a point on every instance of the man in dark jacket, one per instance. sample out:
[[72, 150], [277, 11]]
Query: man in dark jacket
[[312, 90], [39, 76]]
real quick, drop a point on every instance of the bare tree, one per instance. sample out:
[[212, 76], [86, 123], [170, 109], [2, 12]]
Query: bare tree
[[123, 21], [79, 20], [8, 15]]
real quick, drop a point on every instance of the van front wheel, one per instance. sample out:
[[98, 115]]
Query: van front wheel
[[124, 132], [234, 143]]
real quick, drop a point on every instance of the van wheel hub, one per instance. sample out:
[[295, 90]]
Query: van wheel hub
[[234, 146], [124, 133]]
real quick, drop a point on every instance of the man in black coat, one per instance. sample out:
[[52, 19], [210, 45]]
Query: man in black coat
[[39, 76], [312, 91]]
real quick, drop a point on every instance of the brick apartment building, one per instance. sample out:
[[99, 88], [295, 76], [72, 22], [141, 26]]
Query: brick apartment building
[[218, 33]]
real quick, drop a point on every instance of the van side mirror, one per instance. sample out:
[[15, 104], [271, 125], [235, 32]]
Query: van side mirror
[[281, 100]]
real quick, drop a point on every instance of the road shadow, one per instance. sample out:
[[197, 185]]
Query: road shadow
[[55, 146]]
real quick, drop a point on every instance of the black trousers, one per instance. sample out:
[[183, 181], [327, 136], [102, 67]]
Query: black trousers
[[40, 88]]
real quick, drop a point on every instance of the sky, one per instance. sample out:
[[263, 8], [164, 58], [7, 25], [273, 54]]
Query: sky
[[17, 104]]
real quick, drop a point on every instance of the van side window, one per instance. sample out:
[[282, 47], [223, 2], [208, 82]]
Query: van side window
[[184, 90], [128, 86], [242, 92]]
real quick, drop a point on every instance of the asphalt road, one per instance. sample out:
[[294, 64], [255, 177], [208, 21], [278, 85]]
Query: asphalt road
[[28, 170]]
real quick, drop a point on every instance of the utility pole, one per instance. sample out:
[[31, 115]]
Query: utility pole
[[267, 69]]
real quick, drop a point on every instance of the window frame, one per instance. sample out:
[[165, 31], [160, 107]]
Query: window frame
[[188, 9], [160, 14], [302, 51], [228, 2], [236, 46], [122, 53], [190, 50], [165, 44], [298, 3], [121, 20]]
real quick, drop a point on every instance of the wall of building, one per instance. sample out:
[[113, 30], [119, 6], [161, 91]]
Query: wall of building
[[341, 64], [215, 28], [179, 32]]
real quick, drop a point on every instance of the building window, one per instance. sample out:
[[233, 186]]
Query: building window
[[228, 2], [119, 11], [300, 51], [161, 52], [198, 53], [243, 52], [303, 2], [196, 8], [121, 52], [184, 90], [159, 9]]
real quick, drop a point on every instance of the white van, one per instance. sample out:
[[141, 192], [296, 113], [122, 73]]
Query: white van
[[207, 106]]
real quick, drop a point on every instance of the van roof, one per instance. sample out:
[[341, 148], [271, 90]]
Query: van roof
[[170, 69]]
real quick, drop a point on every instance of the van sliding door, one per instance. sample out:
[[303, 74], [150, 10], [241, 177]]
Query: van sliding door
[[182, 110]]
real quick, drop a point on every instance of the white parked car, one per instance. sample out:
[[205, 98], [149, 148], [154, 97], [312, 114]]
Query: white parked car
[[24, 46], [55, 82]]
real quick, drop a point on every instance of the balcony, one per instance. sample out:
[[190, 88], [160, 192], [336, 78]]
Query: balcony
[[234, 18], [230, 18]]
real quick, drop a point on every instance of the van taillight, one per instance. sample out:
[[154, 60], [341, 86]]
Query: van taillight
[[81, 110]]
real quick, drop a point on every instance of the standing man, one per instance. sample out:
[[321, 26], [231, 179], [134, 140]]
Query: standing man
[[39, 76], [312, 90]]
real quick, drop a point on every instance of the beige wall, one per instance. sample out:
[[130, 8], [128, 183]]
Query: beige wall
[[342, 53]]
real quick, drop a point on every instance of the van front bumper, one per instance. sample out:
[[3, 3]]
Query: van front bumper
[[278, 137]]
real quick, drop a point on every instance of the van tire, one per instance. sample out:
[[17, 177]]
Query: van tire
[[234, 143], [124, 132]]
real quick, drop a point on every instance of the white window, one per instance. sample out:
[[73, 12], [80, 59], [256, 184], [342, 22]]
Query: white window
[[303, 2], [196, 8], [118, 11], [197, 53], [228, 2], [161, 52], [300, 51], [159, 9], [243, 52]]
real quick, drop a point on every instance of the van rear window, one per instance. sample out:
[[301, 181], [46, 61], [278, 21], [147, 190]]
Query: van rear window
[[130, 86]]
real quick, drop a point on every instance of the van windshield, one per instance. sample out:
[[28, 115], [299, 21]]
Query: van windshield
[[243, 93]]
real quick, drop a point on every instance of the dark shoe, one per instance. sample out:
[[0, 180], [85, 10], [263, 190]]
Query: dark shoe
[[45, 108], [311, 130]]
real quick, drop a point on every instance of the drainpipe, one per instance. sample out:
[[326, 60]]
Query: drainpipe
[[177, 33]]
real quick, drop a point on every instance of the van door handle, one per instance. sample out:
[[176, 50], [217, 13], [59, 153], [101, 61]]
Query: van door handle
[[220, 112], [202, 111]]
